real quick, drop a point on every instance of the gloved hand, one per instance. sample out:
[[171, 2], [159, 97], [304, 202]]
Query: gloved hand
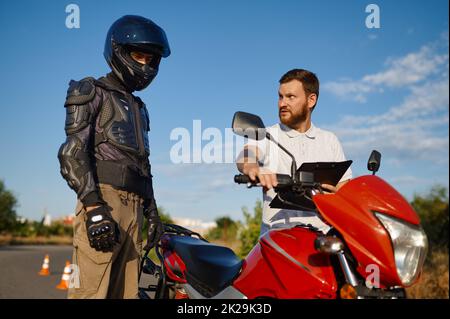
[[155, 226], [102, 231]]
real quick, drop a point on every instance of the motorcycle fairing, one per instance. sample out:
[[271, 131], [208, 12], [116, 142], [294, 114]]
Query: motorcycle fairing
[[351, 212], [229, 292], [282, 266], [175, 267]]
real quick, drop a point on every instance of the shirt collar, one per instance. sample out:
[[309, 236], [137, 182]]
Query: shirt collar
[[310, 133]]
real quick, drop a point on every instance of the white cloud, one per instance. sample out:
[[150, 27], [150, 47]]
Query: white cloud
[[406, 180], [348, 89], [429, 99], [410, 69], [193, 190], [413, 138], [416, 128], [400, 72], [199, 179]]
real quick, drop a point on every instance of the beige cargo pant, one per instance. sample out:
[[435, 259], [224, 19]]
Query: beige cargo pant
[[97, 274]]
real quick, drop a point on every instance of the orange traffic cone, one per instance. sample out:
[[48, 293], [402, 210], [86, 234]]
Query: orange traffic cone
[[45, 271], [64, 283], [180, 293]]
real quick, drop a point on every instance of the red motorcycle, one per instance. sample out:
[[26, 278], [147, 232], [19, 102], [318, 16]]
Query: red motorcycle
[[375, 248]]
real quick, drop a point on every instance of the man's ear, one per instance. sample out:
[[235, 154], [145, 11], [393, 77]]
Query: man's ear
[[312, 100]]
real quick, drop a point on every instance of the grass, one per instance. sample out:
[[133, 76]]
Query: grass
[[35, 240], [234, 245], [434, 281]]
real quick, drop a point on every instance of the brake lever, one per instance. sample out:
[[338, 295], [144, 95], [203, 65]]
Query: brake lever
[[250, 185], [319, 188]]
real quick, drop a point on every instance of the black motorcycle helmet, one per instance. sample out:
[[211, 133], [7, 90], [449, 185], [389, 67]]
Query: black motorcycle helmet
[[135, 33]]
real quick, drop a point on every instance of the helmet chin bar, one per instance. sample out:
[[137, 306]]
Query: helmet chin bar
[[134, 76]]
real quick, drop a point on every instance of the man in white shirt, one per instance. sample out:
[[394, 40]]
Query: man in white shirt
[[297, 98]]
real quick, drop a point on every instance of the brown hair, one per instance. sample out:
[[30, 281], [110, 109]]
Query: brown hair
[[308, 79]]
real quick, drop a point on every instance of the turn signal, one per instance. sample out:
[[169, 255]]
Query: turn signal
[[328, 244], [348, 292]]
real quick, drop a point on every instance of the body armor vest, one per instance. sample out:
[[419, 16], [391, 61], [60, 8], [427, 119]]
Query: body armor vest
[[124, 122]]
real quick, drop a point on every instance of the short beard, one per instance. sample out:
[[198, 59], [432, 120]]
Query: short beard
[[295, 120]]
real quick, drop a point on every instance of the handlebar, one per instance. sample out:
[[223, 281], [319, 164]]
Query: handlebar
[[302, 190], [283, 180]]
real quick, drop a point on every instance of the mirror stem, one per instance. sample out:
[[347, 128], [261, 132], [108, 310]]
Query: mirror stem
[[294, 163]]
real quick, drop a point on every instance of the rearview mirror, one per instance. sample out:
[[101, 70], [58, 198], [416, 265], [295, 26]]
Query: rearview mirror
[[251, 126], [248, 125], [374, 162]]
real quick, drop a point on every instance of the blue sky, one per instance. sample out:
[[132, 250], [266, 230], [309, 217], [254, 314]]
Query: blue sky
[[384, 89]]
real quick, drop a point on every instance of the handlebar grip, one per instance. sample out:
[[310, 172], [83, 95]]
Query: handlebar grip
[[244, 179], [283, 180]]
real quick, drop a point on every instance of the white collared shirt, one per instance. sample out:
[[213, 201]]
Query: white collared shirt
[[315, 145]]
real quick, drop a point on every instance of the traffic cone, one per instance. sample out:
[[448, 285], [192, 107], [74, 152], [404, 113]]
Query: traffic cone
[[64, 283], [180, 293], [45, 271]]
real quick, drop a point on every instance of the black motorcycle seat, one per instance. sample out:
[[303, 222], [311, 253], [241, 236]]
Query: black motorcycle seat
[[209, 268]]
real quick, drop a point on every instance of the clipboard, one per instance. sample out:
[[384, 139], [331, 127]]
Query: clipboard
[[326, 172]]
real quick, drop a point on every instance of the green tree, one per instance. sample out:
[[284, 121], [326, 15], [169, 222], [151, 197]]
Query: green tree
[[225, 230], [249, 234], [432, 209], [59, 229], [164, 215], [8, 203], [24, 229]]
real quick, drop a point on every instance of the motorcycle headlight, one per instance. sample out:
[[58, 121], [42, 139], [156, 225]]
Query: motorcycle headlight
[[410, 247]]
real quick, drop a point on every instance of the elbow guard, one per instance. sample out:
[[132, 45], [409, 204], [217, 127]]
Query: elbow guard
[[75, 167]]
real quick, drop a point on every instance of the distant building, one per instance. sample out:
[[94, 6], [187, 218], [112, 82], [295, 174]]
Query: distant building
[[196, 225], [68, 220], [47, 219], [21, 219]]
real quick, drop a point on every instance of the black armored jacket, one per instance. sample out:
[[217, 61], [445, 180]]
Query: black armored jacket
[[107, 140]]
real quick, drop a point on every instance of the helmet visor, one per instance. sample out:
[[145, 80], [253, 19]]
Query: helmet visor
[[144, 37]]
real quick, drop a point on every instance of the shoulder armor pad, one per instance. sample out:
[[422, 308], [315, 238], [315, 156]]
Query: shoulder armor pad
[[138, 99], [80, 92]]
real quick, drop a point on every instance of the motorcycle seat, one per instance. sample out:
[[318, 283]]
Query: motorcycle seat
[[209, 268]]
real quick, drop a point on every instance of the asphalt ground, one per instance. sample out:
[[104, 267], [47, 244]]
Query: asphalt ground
[[19, 267]]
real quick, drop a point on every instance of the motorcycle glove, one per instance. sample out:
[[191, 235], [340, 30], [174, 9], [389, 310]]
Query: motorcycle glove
[[155, 226], [102, 230]]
